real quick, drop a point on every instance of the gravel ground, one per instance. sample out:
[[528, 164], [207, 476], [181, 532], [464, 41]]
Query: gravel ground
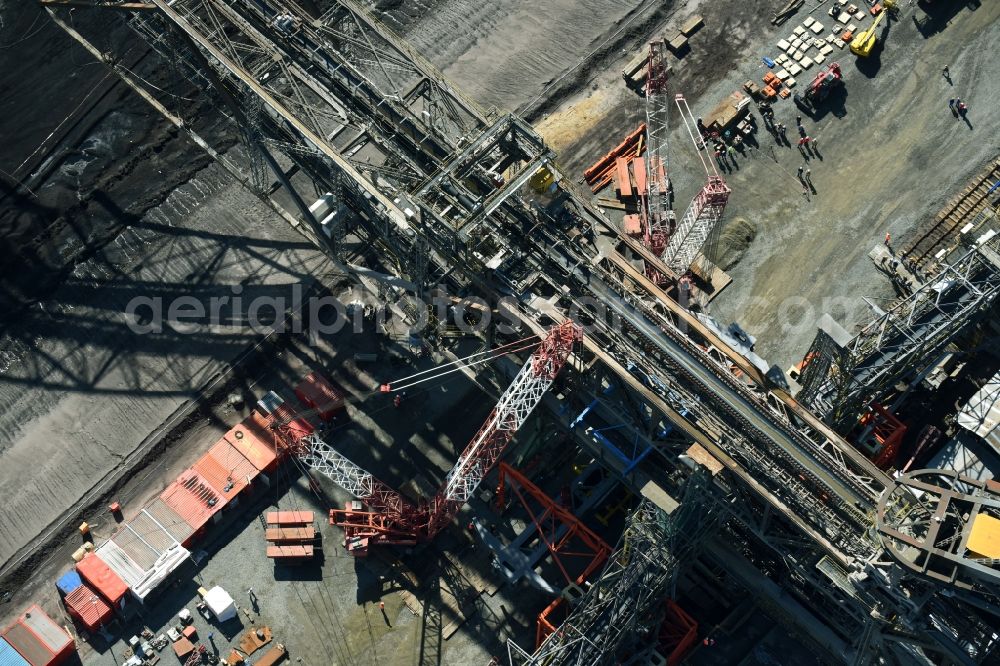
[[507, 54], [328, 613], [891, 157]]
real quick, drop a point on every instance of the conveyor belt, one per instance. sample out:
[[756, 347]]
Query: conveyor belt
[[713, 384]]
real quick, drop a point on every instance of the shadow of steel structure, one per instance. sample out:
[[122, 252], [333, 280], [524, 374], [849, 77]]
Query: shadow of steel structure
[[337, 104]]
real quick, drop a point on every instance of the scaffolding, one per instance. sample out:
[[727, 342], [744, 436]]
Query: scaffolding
[[901, 343], [617, 610]]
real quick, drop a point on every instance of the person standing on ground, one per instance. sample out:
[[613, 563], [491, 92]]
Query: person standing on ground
[[962, 109], [888, 238], [947, 73], [809, 176], [800, 172]]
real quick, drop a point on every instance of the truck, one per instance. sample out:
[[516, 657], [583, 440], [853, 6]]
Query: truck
[[826, 81]]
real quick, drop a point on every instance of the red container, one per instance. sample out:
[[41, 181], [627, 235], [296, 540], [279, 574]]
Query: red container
[[194, 499], [88, 607], [226, 469], [169, 519], [38, 639], [256, 441], [632, 225], [317, 393], [290, 423], [101, 578]]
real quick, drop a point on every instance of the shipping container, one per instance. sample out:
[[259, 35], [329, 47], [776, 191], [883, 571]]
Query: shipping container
[[169, 519], [317, 393], [226, 469], [256, 441], [194, 499], [96, 573], [9, 656], [68, 582], [143, 580], [87, 606], [37, 638], [143, 539]]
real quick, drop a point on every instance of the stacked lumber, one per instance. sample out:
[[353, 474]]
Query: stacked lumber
[[291, 535]]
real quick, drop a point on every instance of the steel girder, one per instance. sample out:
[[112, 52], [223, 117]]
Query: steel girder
[[899, 343], [299, 114]]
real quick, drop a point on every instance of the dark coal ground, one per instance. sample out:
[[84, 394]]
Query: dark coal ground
[[79, 150]]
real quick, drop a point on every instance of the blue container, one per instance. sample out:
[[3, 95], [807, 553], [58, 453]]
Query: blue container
[[68, 582], [768, 62], [9, 656]]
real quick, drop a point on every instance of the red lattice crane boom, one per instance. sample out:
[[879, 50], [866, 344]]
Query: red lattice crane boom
[[391, 518], [706, 209], [656, 213]]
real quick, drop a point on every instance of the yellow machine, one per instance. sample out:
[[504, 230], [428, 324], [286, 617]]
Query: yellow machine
[[863, 44]]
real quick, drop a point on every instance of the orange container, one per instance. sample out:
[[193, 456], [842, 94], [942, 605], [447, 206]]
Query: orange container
[[88, 607]]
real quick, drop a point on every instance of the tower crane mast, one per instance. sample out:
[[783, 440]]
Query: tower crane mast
[[658, 216]]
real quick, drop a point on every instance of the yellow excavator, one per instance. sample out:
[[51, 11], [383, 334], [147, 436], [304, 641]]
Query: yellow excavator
[[863, 44]]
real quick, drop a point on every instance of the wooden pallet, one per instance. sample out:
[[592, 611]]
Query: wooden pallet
[[290, 534], [290, 552], [289, 518]]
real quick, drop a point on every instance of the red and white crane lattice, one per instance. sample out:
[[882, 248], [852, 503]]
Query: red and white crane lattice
[[390, 517], [678, 244]]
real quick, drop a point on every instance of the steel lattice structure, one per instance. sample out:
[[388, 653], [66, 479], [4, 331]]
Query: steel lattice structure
[[391, 518], [320, 457], [515, 405], [609, 613], [705, 211], [616, 609], [901, 342], [657, 212], [434, 184]]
